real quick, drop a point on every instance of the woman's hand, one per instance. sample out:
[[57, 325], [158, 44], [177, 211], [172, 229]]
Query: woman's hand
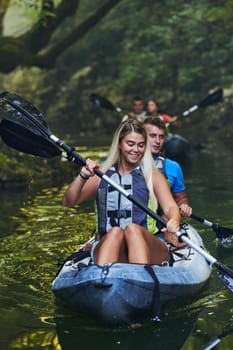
[[168, 233], [87, 246], [88, 170]]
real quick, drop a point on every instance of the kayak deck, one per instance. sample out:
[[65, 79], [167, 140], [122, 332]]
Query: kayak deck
[[122, 293]]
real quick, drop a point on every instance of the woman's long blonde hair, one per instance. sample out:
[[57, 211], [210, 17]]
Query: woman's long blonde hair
[[146, 164]]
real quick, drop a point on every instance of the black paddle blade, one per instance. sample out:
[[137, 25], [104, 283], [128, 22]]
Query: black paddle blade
[[226, 275], [23, 140], [15, 106], [101, 101], [224, 235], [227, 280], [222, 232], [17, 130], [212, 98]]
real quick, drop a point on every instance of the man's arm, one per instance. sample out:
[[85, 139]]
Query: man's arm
[[181, 199], [175, 176]]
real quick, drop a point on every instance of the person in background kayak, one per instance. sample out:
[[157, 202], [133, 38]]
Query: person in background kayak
[[138, 110], [126, 232], [156, 130], [152, 108]]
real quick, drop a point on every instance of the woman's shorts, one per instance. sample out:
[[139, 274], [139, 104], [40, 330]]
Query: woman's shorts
[[92, 250], [160, 236]]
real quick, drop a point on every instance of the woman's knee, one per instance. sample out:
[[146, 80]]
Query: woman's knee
[[115, 234], [132, 231], [132, 227]]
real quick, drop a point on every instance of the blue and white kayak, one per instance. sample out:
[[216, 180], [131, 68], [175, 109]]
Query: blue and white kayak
[[123, 293]]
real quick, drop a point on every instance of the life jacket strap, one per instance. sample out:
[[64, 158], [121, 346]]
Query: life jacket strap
[[125, 186], [118, 214]]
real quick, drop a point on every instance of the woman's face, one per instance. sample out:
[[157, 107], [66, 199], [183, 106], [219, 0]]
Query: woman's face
[[132, 148], [152, 107]]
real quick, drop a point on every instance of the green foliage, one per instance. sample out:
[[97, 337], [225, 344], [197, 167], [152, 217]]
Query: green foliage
[[12, 166], [174, 51], [36, 12], [20, 168], [17, 168]]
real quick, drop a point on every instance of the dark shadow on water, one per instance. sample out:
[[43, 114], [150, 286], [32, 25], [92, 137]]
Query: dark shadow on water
[[171, 333]]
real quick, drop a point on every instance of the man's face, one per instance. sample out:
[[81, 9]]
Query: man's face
[[138, 107], [156, 137]]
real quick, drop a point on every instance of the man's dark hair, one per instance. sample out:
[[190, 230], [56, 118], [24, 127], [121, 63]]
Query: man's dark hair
[[155, 121], [137, 98]]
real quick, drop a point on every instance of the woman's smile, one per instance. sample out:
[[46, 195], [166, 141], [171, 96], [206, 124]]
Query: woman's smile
[[132, 147]]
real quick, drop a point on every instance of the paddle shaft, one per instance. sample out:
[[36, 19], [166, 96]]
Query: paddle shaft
[[188, 111], [201, 220]]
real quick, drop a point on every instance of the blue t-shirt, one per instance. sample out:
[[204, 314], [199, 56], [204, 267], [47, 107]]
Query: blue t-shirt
[[172, 170]]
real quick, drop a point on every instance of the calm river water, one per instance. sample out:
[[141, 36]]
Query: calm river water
[[36, 232]]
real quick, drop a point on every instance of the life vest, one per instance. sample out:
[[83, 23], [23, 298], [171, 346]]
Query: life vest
[[160, 164], [114, 209]]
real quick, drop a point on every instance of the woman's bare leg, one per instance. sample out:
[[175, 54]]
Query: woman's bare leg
[[138, 250], [143, 247], [111, 248]]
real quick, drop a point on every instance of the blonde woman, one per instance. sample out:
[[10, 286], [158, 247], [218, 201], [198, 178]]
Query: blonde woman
[[126, 233]]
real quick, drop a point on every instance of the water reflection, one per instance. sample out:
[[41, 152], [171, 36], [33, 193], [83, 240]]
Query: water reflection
[[36, 232], [146, 336], [45, 232]]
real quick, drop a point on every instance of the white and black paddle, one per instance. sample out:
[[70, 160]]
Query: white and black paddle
[[212, 98], [101, 101], [223, 234], [22, 125]]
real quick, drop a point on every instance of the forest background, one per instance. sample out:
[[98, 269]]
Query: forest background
[[55, 53]]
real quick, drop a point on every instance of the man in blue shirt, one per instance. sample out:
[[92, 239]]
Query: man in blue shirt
[[156, 130]]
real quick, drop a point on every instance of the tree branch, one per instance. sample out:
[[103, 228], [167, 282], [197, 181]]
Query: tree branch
[[39, 36], [24, 50], [48, 58]]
